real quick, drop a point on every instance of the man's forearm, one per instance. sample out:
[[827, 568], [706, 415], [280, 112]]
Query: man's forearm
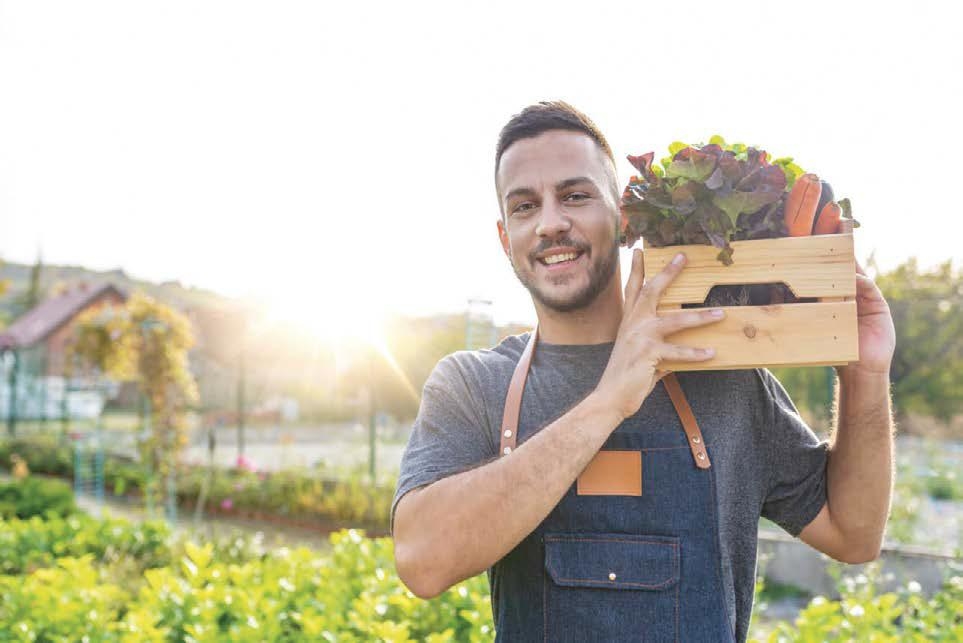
[[860, 470], [461, 525]]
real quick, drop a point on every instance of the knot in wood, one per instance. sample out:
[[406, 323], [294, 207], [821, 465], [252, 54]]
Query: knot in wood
[[749, 330]]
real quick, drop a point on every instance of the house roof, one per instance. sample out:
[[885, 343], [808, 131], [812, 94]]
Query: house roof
[[49, 315]]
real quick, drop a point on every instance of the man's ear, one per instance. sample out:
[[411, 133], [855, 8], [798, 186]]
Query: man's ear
[[503, 237]]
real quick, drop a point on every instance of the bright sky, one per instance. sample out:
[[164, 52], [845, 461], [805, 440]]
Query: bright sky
[[323, 156]]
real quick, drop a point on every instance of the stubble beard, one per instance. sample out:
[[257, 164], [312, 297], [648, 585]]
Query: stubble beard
[[600, 274]]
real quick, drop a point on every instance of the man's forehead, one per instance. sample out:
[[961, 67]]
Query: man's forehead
[[551, 156]]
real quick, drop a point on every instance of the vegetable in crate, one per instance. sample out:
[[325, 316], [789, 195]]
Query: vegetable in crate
[[718, 193]]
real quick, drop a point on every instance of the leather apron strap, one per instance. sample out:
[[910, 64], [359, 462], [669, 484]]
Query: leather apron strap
[[513, 405]]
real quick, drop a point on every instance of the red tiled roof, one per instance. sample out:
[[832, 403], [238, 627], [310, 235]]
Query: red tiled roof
[[46, 317]]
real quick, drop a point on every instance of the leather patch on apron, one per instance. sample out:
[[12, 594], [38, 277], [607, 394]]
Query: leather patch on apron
[[612, 473]]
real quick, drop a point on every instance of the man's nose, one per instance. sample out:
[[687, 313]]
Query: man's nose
[[553, 220]]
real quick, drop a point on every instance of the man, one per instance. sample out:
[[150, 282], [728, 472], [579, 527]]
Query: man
[[628, 506]]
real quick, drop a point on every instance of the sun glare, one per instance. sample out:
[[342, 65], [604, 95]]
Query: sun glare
[[345, 328], [331, 323]]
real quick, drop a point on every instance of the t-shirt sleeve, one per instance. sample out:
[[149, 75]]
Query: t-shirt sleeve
[[450, 434], [796, 460]]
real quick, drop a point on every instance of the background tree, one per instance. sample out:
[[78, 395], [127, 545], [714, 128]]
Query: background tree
[[32, 296], [927, 371], [147, 342]]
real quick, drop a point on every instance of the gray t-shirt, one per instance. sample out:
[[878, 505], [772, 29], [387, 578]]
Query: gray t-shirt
[[768, 461]]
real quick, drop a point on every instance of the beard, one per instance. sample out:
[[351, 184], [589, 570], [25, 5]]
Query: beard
[[600, 272]]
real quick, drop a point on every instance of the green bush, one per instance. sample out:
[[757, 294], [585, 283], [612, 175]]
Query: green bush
[[43, 454], [69, 602], [234, 591], [943, 484], [349, 595], [343, 497], [903, 616], [36, 497], [864, 614], [28, 544]]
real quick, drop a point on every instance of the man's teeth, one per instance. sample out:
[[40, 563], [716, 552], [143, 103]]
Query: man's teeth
[[560, 258]]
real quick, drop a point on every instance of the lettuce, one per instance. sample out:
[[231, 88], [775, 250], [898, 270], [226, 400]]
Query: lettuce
[[706, 194]]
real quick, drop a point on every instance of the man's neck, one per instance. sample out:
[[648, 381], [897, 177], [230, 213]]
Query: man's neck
[[598, 323]]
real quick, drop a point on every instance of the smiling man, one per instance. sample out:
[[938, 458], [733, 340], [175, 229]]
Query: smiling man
[[607, 499]]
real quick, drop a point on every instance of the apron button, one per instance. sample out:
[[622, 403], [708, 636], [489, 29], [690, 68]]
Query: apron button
[[508, 433], [701, 455], [696, 439], [611, 575], [507, 450]]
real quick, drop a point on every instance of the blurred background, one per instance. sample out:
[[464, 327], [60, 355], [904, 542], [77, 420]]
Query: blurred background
[[236, 237]]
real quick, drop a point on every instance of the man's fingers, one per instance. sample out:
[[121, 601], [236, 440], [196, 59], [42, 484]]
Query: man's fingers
[[673, 322], [652, 292], [636, 279], [678, 353]]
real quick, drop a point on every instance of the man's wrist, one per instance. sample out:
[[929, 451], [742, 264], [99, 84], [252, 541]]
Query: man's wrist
[[854, 374], [603, 407]]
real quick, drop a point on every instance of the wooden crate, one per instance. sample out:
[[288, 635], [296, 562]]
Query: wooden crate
[[816, 333]]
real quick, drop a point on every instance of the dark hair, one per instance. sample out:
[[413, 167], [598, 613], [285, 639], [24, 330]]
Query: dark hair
[[544, 117]]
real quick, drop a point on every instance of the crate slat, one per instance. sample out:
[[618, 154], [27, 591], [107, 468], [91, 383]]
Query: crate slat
[[818, 266], [807, 334]]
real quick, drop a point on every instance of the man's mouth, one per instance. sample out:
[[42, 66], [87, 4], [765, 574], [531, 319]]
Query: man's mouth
[[559, 259]]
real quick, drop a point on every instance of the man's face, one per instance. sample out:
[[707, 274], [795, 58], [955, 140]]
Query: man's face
[[560, 217]]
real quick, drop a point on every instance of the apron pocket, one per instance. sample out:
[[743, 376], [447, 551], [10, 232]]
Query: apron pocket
[[611, 587]]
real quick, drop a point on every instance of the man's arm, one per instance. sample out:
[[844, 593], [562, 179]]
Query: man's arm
[[859, 474], [459, 526]]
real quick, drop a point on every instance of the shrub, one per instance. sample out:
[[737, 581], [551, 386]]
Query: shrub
[[36, 497], [862, 614], [28, 544]]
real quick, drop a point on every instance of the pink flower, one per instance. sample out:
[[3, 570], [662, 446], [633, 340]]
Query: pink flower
[[245, 463], [227, 504]]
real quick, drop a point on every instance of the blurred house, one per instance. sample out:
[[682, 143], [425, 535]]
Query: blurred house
[[34, 353]]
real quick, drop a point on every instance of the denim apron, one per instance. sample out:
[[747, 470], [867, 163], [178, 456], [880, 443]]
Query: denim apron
[[620, 567]]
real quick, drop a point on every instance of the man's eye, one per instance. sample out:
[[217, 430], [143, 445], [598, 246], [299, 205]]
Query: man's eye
[[521, 208], [576, 196]]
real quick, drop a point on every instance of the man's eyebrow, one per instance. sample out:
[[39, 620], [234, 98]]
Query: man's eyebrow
[[567, 183]]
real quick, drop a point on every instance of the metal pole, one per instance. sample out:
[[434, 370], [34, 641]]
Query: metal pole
[[240, 404], [171, 483], [372, 434], [99, 469], [64, 409], [149, 486], [372, 417], [43, 390], [78, 467], [12, 398]]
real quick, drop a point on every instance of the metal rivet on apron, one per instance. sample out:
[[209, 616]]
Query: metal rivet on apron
[[508, 433], [611, 575], [507, 450], [696, 439], [702, 456]]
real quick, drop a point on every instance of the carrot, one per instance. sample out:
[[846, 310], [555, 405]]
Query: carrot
[[828, 221], [801, 205]]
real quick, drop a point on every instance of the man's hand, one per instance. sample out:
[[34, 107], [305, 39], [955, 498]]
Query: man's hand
[[640, 345], [877, 336]]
